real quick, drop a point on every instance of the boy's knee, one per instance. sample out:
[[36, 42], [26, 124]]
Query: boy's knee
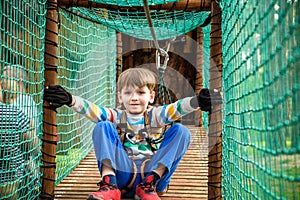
[[104, 124], [180, 127], [103, 128], [181, 130]]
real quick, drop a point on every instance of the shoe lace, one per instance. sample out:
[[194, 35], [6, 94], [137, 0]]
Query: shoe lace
[[148, 187], [105, 186]]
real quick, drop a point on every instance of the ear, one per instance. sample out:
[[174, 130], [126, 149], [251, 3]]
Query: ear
[[119, 97], [152, 97]]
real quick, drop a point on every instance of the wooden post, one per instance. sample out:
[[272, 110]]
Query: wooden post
[[49, 133], [215, 118], [199, 78]]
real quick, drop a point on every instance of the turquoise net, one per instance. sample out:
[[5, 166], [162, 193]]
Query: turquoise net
[[206, 68], [86, 67], [261, 86], [133, 2], [22, 33], [134, 23], [261, 140]]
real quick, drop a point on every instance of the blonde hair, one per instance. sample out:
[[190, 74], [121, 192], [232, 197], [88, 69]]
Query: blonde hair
[[137, 77], [17, 73], [14, 81]]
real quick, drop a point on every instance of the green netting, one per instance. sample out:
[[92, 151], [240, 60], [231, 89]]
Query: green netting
[[134, 23], [205, 68], [22, 32], [261, 138], [87, 68], [133, 2], [86, 59], [261, 86]]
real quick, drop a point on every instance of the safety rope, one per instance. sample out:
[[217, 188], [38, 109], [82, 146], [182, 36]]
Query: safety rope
[[161, 68], [147, 12], [159, 52]]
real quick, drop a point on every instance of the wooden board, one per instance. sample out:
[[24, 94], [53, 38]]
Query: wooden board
[[188, 182]]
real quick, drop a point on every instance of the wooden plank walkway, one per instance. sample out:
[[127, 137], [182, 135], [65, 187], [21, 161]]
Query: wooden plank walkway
[[188, 182]]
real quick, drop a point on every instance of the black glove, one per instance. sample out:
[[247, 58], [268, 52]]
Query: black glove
[[57, 96], [207, 98]]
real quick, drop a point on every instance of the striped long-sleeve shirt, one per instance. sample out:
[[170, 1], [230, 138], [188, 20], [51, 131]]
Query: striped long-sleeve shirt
[[159, 116], [13, 126]]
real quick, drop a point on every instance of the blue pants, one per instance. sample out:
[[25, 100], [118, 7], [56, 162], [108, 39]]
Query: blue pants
[[108, 145]]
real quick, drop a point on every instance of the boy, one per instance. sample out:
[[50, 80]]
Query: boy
[[15, 81], [13, 126], [119, 154]]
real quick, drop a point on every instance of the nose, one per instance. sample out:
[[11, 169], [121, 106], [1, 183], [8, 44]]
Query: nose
[[134, 96]]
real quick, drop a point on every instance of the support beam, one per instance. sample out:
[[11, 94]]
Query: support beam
[[199, 72], [49, 118], [186, 5], [215, 118]]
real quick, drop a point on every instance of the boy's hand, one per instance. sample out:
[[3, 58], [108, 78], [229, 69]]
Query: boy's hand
[[57, 96], [208, 97]]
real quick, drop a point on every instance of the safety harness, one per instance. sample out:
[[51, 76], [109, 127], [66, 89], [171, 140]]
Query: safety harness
[[124, 132], [146, 131]]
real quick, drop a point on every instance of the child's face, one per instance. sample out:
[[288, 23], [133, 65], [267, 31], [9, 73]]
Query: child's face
[[10, 84], [135, 99]]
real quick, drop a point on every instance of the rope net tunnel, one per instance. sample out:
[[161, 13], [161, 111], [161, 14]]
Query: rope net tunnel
[[260, 83]]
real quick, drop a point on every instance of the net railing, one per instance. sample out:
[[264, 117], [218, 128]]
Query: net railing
[[261, 83], [86, 67], [261, 55], [206, 68], [22, 33]]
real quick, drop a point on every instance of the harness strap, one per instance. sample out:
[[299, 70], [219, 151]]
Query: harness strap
[[121, 128], [145, 162], [143, 165], [132, 180], [134, 174], [147, 122]]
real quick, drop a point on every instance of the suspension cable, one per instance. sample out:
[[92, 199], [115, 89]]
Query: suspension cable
[[159, 52], [147, 11]]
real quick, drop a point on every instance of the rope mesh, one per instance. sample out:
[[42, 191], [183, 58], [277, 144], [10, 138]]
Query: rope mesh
[[133, 2], [86, 67], [206, 67], [261, 55], [134, 23], [261, 140], [22, 32]]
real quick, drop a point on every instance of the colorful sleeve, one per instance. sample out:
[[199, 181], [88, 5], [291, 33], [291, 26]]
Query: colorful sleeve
[[93, 112], [166, 114]]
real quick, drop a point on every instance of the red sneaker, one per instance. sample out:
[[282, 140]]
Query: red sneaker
[[146, 191], [106, 191]]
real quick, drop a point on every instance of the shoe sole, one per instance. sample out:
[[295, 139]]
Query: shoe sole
[[91, 197], [136, 197]]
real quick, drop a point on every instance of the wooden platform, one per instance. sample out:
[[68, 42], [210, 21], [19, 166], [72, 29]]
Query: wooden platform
[[188, 182]]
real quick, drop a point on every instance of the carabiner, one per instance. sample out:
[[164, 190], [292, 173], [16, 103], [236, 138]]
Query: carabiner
[[161, 52]]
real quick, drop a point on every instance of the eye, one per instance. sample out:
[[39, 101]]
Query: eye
[[141, 92], [127, 92]]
